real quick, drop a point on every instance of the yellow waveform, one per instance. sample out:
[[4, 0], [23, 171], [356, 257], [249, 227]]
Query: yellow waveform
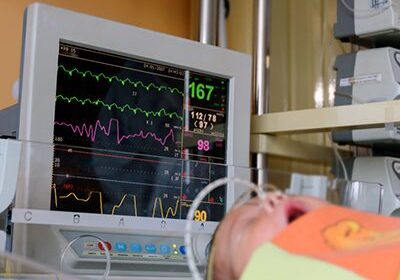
[[117, 206], [55, 195], [135, 205], [170, 209], [85, 199]]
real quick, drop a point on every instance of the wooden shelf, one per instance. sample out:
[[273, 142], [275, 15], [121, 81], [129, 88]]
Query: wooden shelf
[[326, 119], [265, 128]]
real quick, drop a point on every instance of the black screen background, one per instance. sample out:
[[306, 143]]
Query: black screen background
[[127, 136]]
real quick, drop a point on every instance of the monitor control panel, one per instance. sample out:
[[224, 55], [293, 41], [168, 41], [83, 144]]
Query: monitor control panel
[[128, 247]]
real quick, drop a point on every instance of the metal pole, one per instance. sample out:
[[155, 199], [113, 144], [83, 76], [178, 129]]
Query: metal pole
[[208, 21], [260, 73]]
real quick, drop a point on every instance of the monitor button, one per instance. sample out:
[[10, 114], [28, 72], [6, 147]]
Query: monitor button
[[165, 249], [108, 244], [120, 247], [182, 249], [89, 245], [150, 248], [136, 248]]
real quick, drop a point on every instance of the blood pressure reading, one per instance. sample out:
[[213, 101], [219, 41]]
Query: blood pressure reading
[[135, 137], [206, 130]]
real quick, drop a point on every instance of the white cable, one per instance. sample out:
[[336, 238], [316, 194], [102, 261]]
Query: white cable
[[195, 204], [107, 252], [338, 156], [334, 145], [340, 159]]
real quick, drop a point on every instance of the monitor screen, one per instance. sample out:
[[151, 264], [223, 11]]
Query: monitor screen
[[136, 137]]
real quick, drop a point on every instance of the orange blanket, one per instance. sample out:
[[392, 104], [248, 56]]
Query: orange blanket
[[366, 244]]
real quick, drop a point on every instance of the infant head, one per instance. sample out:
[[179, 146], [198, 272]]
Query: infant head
[[250, 225]]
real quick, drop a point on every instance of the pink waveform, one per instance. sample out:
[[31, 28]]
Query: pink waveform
[[90, 131]]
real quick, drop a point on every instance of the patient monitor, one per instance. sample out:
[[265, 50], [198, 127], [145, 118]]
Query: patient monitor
[[367, 76], [384, 171], [121, 128], [368, 22]]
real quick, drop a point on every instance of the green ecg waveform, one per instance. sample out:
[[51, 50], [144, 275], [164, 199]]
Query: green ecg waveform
[[119, 80], [99, 102]]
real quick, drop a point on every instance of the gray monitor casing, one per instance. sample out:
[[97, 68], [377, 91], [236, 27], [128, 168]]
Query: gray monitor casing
[[45, 27]]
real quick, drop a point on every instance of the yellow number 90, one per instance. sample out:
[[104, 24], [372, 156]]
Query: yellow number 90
[[200, 215]]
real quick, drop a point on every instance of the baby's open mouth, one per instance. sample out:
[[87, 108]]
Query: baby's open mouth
[[294, 211]]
